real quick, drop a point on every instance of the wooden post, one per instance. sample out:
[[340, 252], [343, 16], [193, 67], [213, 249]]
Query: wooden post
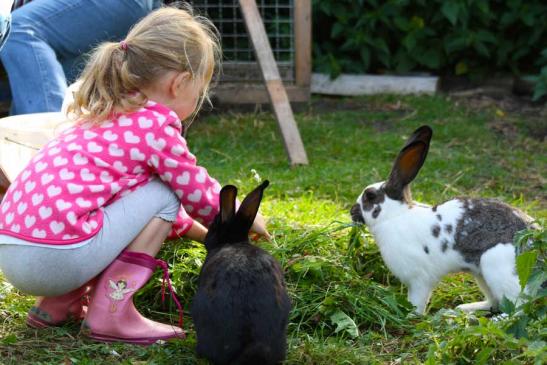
[[274, 85], [303, 42]]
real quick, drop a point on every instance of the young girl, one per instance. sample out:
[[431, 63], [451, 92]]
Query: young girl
[[94, 206]]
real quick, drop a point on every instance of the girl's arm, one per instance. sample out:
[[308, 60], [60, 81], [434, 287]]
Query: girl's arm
[[170, 158]]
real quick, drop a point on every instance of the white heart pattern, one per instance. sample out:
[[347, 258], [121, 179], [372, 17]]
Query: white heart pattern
[[205, 211], [71, 218], [17, 195], [136, 155], [177, 150], [46, 178], [64, 174], [183, 179], [195, 196], [29, 221], [56, 227], [22, 207], [86, 175], [129, 137], [106, 177], [38, 233], [45, 212], [169, 162], [120, 167], [75, 188], [200, 177], [123, 121], [89, 135], [83, 203], [96, 188], [63, 205], [94, 147], [53, 190], [80, 159], [73, 147], [25, 175], [29, 186], [157, 144], [145, 123], [115, 151], [59, 161], [37, 198], [40, 166], [9, 218], [54, 151], [109, 136]]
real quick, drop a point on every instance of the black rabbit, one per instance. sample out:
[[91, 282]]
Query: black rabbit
[[241, 307]]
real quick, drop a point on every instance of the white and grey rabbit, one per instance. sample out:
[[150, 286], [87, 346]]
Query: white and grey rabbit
[[421, 243]]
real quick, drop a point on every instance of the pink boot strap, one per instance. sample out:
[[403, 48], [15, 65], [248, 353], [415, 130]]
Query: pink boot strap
[[167, 279]]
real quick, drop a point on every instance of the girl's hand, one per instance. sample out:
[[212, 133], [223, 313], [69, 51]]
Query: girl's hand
[[259, 228], [197, 232]]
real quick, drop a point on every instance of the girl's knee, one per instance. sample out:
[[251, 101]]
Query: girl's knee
[[166, 195]]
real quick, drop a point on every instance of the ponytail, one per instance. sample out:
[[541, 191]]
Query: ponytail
[[168, 39]]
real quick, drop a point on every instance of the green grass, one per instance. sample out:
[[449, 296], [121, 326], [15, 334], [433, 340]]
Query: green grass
[[347, 309]]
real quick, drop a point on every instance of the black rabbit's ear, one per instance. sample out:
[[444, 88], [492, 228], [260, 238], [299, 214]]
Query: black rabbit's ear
[[408, 163], [249, 207], [227, 202]]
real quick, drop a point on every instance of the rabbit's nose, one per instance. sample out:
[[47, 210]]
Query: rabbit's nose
[[356, 215]]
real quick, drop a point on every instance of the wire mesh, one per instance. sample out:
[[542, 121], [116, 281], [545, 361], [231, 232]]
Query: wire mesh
[[278, 17]]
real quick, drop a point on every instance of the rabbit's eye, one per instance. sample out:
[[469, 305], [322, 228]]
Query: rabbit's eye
[[370, 194]]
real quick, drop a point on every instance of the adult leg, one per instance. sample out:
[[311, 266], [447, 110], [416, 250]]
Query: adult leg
[[46, 32]]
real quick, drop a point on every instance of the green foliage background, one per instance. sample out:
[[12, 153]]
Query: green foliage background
[[456, 37]]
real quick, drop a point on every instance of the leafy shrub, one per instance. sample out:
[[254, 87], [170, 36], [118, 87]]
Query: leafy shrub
[[458, 37], [540, 80]]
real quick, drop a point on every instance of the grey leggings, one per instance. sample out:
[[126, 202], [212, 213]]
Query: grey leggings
[[44, 271]]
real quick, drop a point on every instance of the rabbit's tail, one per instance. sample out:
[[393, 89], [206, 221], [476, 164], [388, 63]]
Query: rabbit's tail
[[254, 353]]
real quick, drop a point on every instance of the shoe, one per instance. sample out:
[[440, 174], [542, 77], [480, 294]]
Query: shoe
[[56, 311], [112, 316]]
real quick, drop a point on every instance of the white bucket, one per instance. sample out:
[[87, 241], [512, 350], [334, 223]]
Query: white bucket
[[21, 136]]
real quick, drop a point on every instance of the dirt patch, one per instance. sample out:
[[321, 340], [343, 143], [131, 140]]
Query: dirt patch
[[511, 114]]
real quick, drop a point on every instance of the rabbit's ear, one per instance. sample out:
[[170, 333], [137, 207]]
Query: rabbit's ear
[[408, 163], [227, 202], [249, 207]]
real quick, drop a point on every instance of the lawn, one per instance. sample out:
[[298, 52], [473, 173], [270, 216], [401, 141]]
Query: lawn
[[347, 309]]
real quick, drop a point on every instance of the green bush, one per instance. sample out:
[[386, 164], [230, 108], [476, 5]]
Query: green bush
[[456, 37]]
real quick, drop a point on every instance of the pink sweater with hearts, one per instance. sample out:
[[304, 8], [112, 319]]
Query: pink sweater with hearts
[[57, 198]]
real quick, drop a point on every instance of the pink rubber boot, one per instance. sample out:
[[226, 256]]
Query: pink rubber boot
[[112, 316], [55, 311]]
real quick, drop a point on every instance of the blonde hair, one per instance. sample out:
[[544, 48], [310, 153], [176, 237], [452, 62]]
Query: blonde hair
[[168, 39]]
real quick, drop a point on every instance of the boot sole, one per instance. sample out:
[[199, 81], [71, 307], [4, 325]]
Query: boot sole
[[146, 341], [36, 322]]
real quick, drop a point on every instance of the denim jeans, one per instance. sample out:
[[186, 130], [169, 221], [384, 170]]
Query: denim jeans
[[5, 20], [43, 52]]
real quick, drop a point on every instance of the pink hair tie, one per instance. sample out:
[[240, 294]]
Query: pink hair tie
[[123, 45]]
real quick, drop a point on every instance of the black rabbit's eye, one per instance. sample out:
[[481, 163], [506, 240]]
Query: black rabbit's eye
[[370, 194]]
